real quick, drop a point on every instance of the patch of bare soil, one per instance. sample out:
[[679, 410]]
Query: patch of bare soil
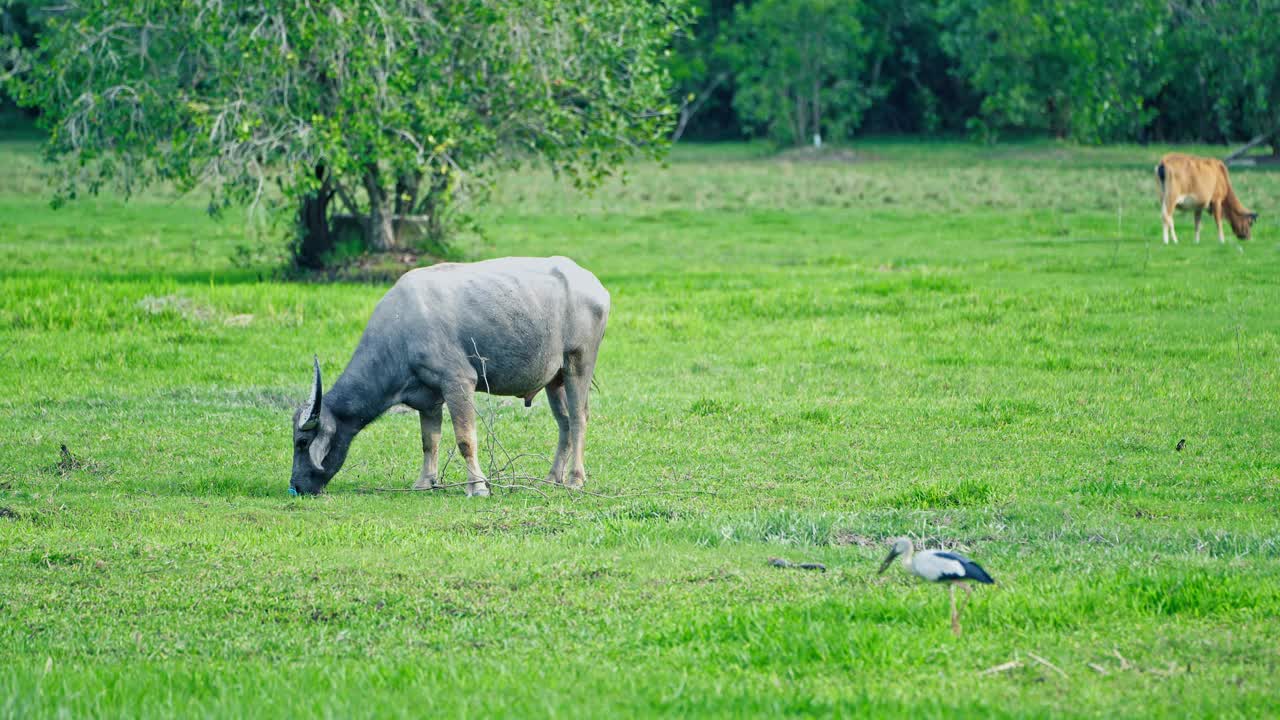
[[844, 537], [372, 267], [69, 463], [823, 154]]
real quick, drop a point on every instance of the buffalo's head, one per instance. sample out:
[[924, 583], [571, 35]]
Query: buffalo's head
[[313, 431]]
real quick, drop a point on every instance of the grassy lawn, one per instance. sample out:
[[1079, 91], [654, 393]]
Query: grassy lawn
[[985, 349]]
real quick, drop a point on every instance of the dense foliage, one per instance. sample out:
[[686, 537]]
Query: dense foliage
[[798, 65], [1093, 71]]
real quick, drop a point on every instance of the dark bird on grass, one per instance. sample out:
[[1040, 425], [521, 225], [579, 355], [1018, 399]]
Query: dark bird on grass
[[1181, 444], [782, 563], [939, 566]]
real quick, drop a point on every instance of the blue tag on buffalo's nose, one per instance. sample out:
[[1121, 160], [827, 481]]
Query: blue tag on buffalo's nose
[[293, 491]]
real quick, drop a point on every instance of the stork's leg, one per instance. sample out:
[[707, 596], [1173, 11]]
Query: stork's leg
[[462, 411], [955, 617], [430, 420], [968, 593], [560, 409]]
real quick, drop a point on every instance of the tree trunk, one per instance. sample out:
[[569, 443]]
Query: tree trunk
[[380, 228], [688, 110], [314, 239], [817, 114], [433, 206], [406, 198]]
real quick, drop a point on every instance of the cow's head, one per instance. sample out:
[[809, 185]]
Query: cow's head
[[1242, 224], [313, 431]]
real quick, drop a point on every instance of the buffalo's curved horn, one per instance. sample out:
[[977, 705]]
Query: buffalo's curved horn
[[311, 416]]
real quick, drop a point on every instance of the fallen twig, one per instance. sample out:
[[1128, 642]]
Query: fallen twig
[[1099, 669], [1046, 663], [1002, 667]]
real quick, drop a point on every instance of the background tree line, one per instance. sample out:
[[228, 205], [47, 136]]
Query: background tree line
[[389, 115], [1089, 70]]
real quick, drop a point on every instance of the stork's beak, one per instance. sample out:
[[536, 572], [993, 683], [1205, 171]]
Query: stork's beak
[[887, 561]]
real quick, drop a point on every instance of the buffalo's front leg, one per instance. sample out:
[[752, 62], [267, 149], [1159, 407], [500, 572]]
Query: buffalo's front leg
[[462, 411], [431, 420], [560, 409]]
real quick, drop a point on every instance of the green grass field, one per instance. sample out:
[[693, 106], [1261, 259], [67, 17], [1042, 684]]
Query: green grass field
[[983, 348]]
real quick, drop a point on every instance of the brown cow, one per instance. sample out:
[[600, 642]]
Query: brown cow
[[1194, 183]]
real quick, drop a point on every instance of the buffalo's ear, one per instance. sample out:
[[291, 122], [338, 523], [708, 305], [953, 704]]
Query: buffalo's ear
[[319, 447]]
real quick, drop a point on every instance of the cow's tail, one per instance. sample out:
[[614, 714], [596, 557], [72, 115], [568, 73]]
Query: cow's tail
[[1160, 178]]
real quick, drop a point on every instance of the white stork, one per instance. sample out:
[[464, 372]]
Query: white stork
[[939, 566]]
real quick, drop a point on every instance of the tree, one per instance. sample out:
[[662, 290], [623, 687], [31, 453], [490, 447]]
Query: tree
[[1076, 68], [17, 35], [798, 67], [702, 74], [910, 89], [391, 108], [1223, 75]]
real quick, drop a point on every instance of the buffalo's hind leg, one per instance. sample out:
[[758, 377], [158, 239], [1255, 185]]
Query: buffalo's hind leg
[[577, 385], [431, 419], [559, 402], [462, 412]]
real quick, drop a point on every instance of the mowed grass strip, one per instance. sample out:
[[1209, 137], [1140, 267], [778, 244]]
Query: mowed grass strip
[[987, 349]]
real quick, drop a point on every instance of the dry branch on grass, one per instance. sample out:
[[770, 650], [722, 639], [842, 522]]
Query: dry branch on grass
[[1002, 667], [1046, 663]]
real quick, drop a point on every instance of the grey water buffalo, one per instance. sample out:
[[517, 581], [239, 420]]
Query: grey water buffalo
[[512, 326]]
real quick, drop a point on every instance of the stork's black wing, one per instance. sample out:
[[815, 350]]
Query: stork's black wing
[[972, 570]]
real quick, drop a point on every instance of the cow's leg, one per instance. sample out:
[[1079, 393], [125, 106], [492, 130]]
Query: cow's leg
[[577, 384], [1198, 212], [462, 411], [559, 402], [1216, 209], [431, 419], [1166, 219]]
